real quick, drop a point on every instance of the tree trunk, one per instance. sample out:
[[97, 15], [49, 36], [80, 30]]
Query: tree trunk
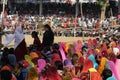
[[103, 10], [77, 8], [119, 7], [40, 8]]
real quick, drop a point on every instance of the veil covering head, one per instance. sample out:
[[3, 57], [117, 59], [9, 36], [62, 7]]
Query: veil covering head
[[92, 58], [32, 74], [87, 65], [94, 75], [41, 65], [117, 66], [113, 69], [102, 65]]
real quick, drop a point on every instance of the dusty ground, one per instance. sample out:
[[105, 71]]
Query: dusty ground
[[29, 39]]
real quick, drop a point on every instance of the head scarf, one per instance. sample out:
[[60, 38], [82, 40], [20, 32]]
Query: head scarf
[[41, 65], [25, 64], [113, 44], [117, 66], [102, 65], [50, 73], [68, 63], [87, 65], [56, 57], [94, 75], [92, 58], [78, 46], [111, 78], [113, 69], [32, 74], [33, 55], [28, 59], [62, 52], [6, 68], [12, 59], [81, 60], [115, 51], [67, 47], [112, 57]]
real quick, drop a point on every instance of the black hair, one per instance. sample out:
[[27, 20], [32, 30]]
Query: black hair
[[5, 75], [11, 50], [74, 55], [56, 46], [59, 65], [118, 57], [4, 58], [47, 26], [106, 73], [34, 33], [84, 48]]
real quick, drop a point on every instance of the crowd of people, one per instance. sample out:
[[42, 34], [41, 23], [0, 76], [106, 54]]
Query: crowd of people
[[94, 59], [97, 58], [63, 25]]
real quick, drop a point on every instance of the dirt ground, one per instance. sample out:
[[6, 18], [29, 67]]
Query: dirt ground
[[29, 39]]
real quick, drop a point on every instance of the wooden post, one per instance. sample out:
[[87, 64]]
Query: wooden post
[[81, 11], [111, 12], [3, 10], [83, 27], [77, 8], [40, 7]]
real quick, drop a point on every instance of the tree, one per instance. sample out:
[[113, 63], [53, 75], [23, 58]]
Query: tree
[[103, 4]]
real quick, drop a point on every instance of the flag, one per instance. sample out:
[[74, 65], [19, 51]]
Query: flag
[[9, 39], [20, 48]]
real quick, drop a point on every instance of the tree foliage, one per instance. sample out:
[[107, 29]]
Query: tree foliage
[[103, 3]]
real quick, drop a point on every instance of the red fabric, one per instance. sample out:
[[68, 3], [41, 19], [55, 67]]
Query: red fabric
[[51, 74], [21, 50], [87, 65], [25, 64], [77, 68], [81, 60], [112, 57], [90, 51], [90, 43], [38, 43], [104, 48], [95, 76], [94, 42], [119, 16], [55, 58]]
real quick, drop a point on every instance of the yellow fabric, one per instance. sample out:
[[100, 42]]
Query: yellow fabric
[[79, 54], [28, 59], [92, 70], [102, 65], [32, 74], [110, 50], [5, 68], [114, 22], [33, 55], [98, 50], [67, 46], [113, 44]]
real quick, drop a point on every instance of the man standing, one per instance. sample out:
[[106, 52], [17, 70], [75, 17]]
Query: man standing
[[48, 36]]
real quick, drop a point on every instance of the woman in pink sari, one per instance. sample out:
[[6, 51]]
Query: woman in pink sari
[[117, 66], [113, 69]]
